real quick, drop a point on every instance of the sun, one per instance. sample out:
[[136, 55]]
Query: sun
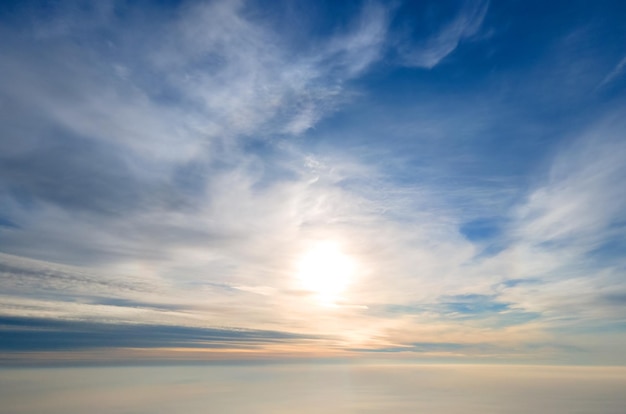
[[325, 270]]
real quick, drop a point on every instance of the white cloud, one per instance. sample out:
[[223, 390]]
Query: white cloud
[[561, 235], [428, 53], [215, 230], [581, 201], [617, 71]]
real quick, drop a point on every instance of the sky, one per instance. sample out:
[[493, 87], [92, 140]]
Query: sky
[[435, 181]]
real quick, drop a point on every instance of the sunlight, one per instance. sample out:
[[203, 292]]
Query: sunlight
[[326, 270]]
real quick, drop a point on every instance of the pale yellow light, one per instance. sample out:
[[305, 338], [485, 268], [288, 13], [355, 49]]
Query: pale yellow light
[[326, 270]]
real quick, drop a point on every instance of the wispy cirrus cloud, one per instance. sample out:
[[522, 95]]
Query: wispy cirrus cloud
[[179, 166], [614, 74], [138, 144], [428, 52], [578, 205]]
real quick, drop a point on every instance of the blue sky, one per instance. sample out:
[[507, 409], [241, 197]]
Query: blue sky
[[433, 180]]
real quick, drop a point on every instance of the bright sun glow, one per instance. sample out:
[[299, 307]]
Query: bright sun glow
[[326, 270]]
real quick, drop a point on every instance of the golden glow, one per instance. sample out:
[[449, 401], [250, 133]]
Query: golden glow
[[326, 270]]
